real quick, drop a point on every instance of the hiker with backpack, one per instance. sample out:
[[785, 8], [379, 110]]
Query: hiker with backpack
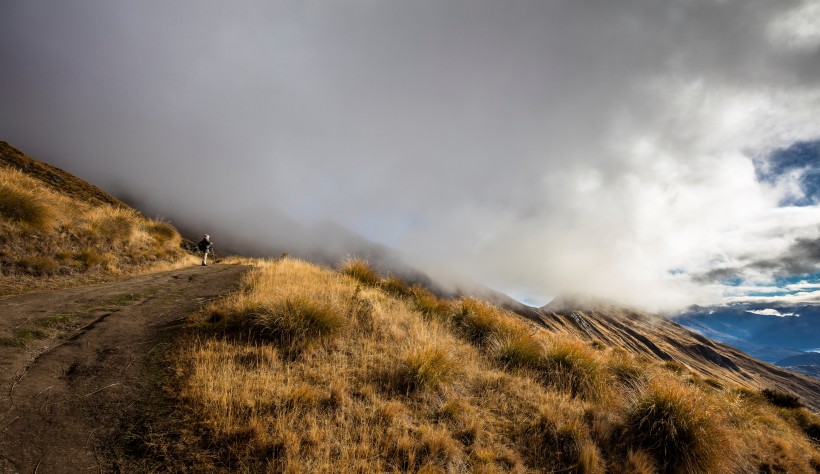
[[205, 245]]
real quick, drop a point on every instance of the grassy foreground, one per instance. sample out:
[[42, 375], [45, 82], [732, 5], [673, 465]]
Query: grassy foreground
[[306, 369]]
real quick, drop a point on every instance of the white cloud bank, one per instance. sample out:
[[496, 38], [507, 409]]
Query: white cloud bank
[[538, 147]]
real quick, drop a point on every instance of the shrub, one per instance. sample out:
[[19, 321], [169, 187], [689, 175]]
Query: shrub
[[25, 208], [426, 367], [297, 318], [360, 270], [679, 428]]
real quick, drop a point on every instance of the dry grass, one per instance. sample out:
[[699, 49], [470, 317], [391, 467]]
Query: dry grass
[[22, 206], [460, 387], [360, 270], [572, 366], [51, 239], [681, 428]]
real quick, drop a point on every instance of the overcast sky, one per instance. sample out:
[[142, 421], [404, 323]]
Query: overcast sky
[[661, 153]]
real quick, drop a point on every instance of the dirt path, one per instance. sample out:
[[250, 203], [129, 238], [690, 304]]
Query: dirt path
[[74, 362]]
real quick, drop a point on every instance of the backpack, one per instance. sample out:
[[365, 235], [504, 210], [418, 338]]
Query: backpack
[[204, 245]]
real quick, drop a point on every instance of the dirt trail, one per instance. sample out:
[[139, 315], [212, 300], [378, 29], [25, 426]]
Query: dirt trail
[[63, 398]]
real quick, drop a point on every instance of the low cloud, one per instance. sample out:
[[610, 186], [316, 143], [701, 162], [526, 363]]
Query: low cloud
[[612, 148], [771, 312]]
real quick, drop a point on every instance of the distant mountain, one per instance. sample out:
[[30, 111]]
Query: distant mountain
[[657, 337], [756, 329], [807, 363]]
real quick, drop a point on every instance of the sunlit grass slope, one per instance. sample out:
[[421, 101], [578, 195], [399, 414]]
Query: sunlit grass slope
[[306, 369], [56, 229]]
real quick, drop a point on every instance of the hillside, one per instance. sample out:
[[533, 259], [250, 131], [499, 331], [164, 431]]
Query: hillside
[[306, 369], [57, 230], [660, 339]]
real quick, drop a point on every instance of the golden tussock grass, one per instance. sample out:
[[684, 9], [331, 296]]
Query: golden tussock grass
[[50, 239], [681, 428], [360, 270], [389, 388]]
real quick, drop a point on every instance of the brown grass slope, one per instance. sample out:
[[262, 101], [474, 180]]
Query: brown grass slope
[[57, 230], [55, 178], [657, 338], [306, 369]]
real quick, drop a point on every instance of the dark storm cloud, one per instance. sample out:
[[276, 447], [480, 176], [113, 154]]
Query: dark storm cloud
[[537, 146]]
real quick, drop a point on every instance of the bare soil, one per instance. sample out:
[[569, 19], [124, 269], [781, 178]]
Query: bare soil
[[76, 365]]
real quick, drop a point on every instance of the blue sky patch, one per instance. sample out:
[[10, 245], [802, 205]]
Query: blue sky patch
[[801, 159]]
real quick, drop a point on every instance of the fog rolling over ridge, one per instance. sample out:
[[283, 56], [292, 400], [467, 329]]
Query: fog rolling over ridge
[[656, 154]]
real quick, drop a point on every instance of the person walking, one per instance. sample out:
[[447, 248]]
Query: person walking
[[205, 245]]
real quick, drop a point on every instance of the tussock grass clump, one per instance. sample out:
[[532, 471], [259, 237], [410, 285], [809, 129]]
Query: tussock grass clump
[[638, 462], [396, 286], [89, 257], [517, 349], [681, 428], [38, 265], [557, 445], [781, 399], [575, 368], [164, 233], [427, 449], [297, 318], [478, 321], [424, 367], [627, 371], [430, 305], [114, 223], [360, 270], [24, 206]]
